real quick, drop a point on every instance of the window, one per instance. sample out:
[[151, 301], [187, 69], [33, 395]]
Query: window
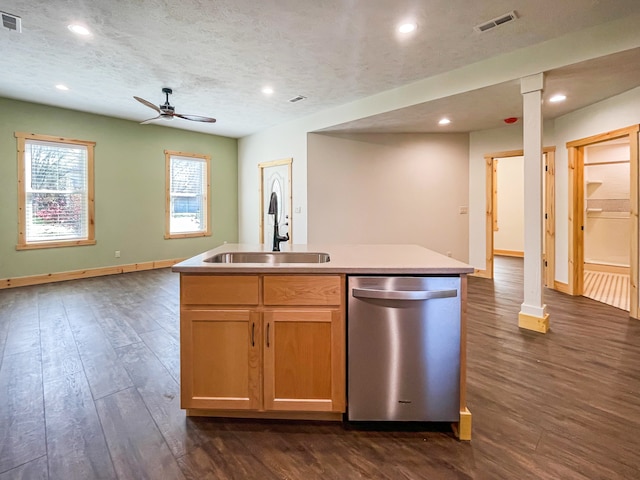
[[187, 199], [55, 191]]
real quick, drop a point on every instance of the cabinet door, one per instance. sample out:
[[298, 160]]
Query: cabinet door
[[304, 360], [220, 359]]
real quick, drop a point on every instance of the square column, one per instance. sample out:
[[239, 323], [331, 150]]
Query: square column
[[533, 314]]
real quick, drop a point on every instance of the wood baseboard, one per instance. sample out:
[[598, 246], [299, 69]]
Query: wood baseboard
[[480, 273], [88, 273], [600, 267], [561, 287], [508, 253], [536, 324]]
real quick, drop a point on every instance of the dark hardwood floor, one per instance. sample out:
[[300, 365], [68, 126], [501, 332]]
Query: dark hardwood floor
[[89, 389]]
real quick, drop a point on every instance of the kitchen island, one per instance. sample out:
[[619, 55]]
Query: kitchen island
[[265, 338]]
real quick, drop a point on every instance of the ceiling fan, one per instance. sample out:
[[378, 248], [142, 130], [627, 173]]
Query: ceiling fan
[[167, 111]]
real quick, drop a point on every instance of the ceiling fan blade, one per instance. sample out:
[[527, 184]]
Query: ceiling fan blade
[[195, 118], [147, 103], [149, 120]]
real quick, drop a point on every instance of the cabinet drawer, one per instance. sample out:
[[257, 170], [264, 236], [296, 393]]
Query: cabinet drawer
[[302, 290], [219, 289]]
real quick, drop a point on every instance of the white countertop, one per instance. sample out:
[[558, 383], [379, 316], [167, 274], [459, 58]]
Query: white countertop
[[347, 259]]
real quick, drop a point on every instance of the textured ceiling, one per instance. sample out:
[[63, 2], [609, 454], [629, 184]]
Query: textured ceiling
[[217, 55]]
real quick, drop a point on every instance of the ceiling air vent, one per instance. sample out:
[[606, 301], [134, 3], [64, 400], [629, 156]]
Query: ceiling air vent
[[297, 98], [12, 22], [496, 22]]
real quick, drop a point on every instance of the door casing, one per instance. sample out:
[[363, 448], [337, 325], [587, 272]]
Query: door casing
[[575, 150]]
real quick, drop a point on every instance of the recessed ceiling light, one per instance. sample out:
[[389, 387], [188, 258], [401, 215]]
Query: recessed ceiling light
[[62, 87], [267, 90], [444, 121], [79, 29], [407, 27], [558, 98]]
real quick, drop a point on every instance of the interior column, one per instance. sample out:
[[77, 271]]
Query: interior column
[[533, 313]]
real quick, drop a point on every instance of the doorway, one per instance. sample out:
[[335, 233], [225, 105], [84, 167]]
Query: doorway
[[275, 177], [603, 218], [549, 210]]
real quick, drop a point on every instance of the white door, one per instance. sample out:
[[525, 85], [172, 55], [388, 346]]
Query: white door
[[276, 178]]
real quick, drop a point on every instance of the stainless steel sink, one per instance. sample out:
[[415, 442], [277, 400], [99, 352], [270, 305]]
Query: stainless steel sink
[[269, 257]]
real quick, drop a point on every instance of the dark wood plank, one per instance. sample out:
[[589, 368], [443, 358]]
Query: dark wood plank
[[137, 447], [22, 428], [115, 327], [558, 406], [137, 318], [33, 470], [104, 372], [166, 348], [75, 443], [161, 395], [59, 351], [23, 333], [222, 455], [167, 318]]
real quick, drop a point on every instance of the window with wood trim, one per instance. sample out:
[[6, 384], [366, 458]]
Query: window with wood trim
[[55, 191], [187, 195]]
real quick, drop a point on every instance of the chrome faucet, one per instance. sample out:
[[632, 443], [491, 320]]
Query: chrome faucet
[[273, 210]]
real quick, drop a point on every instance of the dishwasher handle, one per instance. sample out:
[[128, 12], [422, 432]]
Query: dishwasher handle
[[403, 294]]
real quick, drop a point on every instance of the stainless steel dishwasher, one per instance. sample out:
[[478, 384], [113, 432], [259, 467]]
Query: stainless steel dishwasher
[[403, 348]]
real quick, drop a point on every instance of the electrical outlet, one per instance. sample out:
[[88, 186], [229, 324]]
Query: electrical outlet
[[464, 209], [298, 209], [117, 253], [448, 254]]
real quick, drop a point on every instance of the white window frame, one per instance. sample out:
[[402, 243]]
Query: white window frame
[[205, 230], [23, 176]]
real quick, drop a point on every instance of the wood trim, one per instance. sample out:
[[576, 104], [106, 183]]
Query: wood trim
[[205, 196], [562, 287], [87, 273], [462, 429], [261, 167], [576, 204], [22, 240], [481, 274], [91, 196], [290, 415], [603, 137], [508, 253], [37, 246], [494, 189], [536, 324], [600, 267], [53, 138], [550, 218], [576, 207], [21, 138], [617, 162], [490, 211], [634, 307]]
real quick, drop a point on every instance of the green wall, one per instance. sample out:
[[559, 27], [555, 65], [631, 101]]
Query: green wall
[[129, 190]]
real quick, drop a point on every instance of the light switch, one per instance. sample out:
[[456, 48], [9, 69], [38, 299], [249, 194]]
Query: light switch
[[464, 210]]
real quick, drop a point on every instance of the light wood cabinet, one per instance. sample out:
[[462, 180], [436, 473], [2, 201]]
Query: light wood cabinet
[[262, 343]]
